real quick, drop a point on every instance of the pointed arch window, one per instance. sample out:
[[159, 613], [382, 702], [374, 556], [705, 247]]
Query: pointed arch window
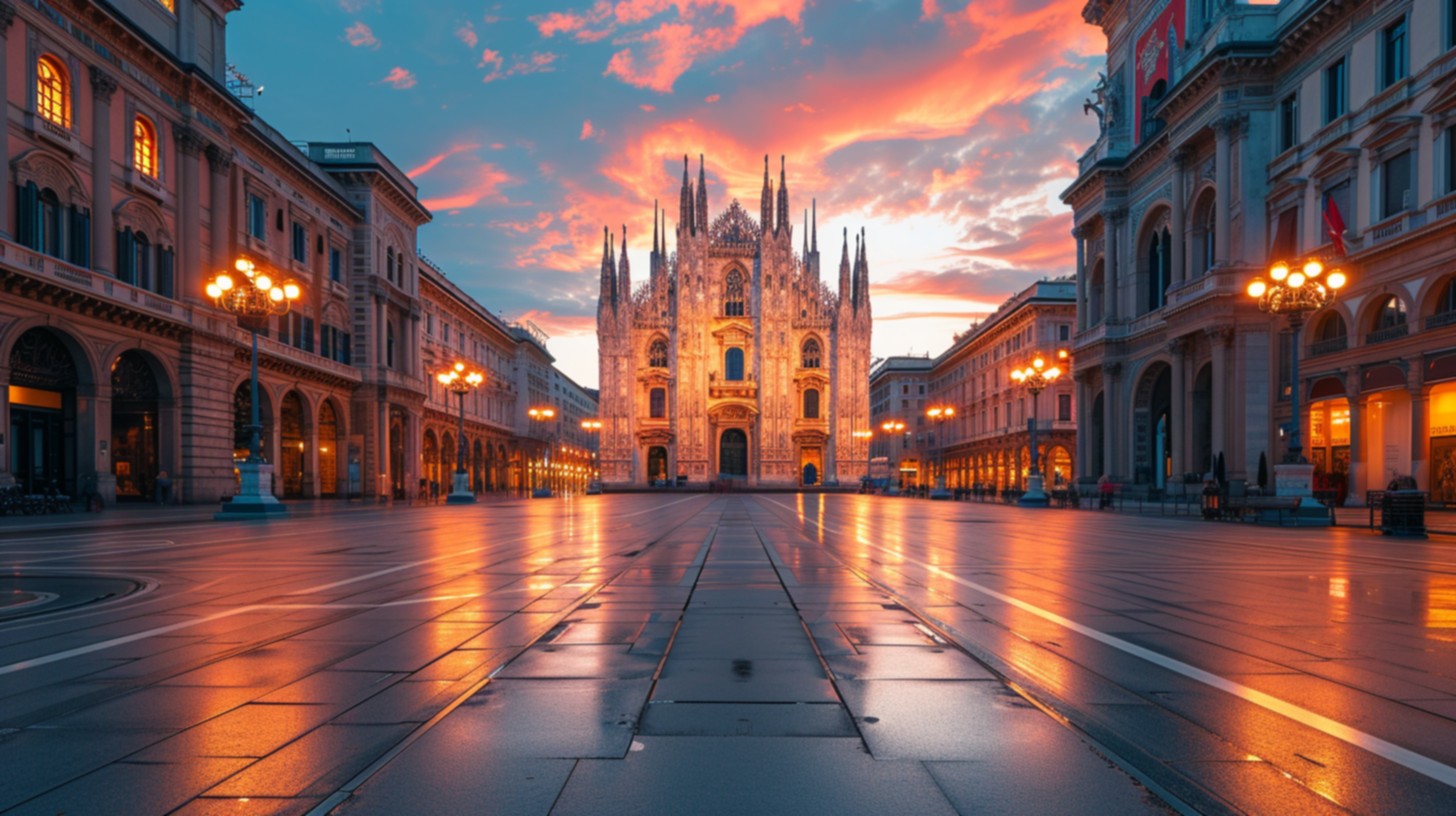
[[657, 354], [52, 91], [811, 354], [733, 364], [811, 403], [733, 303], [144, 146]]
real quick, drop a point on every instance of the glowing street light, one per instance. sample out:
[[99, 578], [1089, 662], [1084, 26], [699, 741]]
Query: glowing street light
[[1035, 376], [460, 382], [939, 414], [544, 415]]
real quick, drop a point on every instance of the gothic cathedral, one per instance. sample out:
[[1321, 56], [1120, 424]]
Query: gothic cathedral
[[735, 362]]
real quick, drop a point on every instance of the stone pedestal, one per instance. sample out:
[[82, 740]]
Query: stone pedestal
[[1035, 495], [255, 499], [939, 491], [1292, 479], [460, 490]]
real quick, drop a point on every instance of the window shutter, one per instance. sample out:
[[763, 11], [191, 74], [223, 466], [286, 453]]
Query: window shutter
[[284, 324], [80, 237], [27, 225], [165, 265], [126, 257], [308, 334]]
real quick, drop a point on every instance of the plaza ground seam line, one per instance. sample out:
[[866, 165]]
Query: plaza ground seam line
[[1405, 757]]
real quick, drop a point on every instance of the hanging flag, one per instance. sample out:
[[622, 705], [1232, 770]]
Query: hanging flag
[[1335, 224]]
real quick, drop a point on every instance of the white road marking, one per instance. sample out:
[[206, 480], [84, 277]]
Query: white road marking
[[1419, 763]]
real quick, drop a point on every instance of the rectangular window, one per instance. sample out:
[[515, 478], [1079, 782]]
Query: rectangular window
[[1064, 333], [1395, 181], [1335, 92], [1339, 194], [300, 243], [336, 264], [1450, 24], [1288, 122], [1393, 57], [1064, 407], [257, 218]]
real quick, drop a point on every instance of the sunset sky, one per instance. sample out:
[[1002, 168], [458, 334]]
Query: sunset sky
[[945, 129]]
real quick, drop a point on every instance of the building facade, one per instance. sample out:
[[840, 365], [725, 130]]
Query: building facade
[[734, 361], [133, 176], [898, 456], [1234, 136]]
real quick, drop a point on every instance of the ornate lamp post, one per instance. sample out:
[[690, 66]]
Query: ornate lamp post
[[865, 435], [939, 414], [892, 427], [252, 297], [458, 382], [1035, 377], [543, 490], [593, 426], [1294, 291]]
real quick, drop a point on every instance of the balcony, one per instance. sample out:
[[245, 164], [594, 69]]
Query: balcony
[[1440, 319], [1330, 346], [1388, 333], [733, 389]]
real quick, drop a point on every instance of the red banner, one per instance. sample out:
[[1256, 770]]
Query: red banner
[[1157, 46]]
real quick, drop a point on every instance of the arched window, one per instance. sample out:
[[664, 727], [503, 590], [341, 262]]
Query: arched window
[[144, 146], [657, 403], [1159, 273], [1331, 328], [1446, 303], [50, 222], [657, 354], [142, 260], [52, 91], [811, 403], [389, 264], [733, 295], [733, 364], [810, 356], [1391, 314]]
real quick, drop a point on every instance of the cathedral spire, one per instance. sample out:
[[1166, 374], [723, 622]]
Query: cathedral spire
[[844, 292], [702, 213], [685, 202], [608, 296], [814, 225], [859, 268], [654, 228], [806, 237], [783, 205], [624, 273], [765, 201]]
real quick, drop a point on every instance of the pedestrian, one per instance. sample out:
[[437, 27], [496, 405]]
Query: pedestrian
[[1105, 488], [163, 488]]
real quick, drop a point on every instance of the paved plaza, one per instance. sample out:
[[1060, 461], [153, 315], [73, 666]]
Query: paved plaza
[[683, 653]]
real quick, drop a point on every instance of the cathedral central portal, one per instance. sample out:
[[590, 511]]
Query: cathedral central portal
[[733, 360]]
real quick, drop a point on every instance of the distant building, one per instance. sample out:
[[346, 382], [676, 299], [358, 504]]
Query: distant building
[[898, 394], [1232, 135], [734, 360]]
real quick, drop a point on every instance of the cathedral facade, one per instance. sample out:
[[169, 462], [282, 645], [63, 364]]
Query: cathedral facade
[[734, 362]]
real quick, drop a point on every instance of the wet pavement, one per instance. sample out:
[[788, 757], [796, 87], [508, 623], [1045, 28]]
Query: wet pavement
[[737, 654]]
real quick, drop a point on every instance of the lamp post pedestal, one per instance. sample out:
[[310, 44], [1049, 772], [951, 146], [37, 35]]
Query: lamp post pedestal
[[940, 492], [1035, 495], [255, 499], [460, 489]]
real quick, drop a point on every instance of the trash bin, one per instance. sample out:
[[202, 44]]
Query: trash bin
[[1403, 513]]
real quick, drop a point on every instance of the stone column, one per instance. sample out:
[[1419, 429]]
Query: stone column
[[1218, 338], [1111, 415], [1223, 180], [1083, 446], [1178, 352], [7, 16], [1355, 479], [189, 207], [1113, 219], [1080, 235], [1180, 225], [103, 231], [220, 162]]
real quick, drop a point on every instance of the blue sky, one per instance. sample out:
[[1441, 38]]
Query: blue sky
[[944, 129]]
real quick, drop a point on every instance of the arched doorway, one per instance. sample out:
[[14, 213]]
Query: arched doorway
[[42, 393], [441, 481], [810, 474], [328, 452], [290, 457], [397, 474], [733, 453], [1056, 466], [135, 416], [1202, 409], [656, 464], [477, 468], [1152, 423], [242, 407], [431, 455]]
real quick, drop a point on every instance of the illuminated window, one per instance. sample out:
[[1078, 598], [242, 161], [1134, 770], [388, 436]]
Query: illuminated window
[[52, 91], [169, 5], [144, 147]]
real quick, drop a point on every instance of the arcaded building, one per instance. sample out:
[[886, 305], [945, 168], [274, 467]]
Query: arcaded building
[[734, 361]]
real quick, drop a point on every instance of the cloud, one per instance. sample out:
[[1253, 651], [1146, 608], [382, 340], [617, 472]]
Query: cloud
[[470, 182], [399, 78], [435, 160], [356, 6], [655, 59], [587, 131], [466, 34], [711, 98], [537, 62], [648, 108], [360, 35], [799, 106]]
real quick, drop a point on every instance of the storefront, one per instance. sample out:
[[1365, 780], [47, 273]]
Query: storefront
[[1328, 435], [1442, 436]]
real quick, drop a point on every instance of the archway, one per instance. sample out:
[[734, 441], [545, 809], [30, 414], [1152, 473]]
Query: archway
[[810, 474], [431, 456], [1201, 443], [397, 474], [328, 451], [733, 453], [242, 407], [42, 395], [449, 451], [291, 444], [1152, 422], [656, 464], [1056, 466], [477, 468], [135, 419]]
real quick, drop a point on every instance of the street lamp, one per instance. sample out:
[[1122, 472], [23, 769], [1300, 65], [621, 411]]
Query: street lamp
[[594, 427], [1035, 377], [865, 435], [939, 414], [543, 491], [892, 427], [1294, 291], [458, 382], [253, 299]]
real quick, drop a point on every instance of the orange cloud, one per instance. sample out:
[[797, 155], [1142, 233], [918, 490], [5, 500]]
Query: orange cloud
[[360, 35], [586, 130], [648, 108], [702, 28], [432, 162], [473, 182], [399, 78]]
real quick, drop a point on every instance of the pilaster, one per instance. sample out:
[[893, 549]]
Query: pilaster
[[103, 86]]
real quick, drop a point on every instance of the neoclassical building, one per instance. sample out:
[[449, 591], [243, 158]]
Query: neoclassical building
[[734, 360], [1230, 134]]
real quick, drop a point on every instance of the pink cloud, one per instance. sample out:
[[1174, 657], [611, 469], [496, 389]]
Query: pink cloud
[[360, 35], [702, 28], [399, 78], [538, 62], [434, 161], [648, 108], [711, 98], [799, 107], [587, 131], [474, 183], [466, 34]]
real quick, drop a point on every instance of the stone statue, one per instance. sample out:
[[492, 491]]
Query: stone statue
[[1100, 106]]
